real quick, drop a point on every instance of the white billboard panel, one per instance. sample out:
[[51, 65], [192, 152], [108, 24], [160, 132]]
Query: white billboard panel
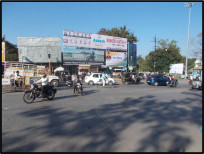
[[94, 41], [176, 68]]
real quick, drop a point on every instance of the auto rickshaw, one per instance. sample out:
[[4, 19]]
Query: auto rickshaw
[[127, 78]]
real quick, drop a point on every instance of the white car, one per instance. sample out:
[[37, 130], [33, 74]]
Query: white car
[[95, 78]]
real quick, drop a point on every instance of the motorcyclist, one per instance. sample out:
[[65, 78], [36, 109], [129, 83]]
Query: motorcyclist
[[75, 83], [44, 81], [173, 81]]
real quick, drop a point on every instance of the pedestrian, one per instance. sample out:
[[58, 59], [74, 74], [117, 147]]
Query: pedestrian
[[12, 78], [145, 76], [103, 77]]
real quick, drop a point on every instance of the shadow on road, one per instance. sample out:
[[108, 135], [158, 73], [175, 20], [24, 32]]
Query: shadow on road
[[103, 125]]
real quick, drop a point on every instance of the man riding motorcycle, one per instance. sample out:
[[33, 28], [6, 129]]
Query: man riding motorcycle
[[44, 81]]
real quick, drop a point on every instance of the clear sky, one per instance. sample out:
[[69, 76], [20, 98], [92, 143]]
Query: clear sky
[[166, 20]]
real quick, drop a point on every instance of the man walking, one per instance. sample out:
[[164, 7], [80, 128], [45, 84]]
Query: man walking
[[103, 77]]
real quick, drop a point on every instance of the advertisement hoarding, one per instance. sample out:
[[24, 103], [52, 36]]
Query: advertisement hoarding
[[3, 51], [116, 58], [132, 54], [176, 68], [76, 39], [93, 41], [83, 55]]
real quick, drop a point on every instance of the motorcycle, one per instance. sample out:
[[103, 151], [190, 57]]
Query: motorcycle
[[174, 83], [35, 91], [195, 84], [69, 83], [78, 87]]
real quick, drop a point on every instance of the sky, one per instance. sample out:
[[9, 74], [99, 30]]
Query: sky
[[165, 20]]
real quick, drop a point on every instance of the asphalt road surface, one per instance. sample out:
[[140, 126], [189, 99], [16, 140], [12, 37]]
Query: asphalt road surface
[[119, 118]]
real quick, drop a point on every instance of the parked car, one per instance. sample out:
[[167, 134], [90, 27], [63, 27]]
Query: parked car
[[95, 78], [127, 77], [158, 80]]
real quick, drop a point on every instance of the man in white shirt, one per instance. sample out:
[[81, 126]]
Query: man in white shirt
[[18, 79], [44, 82]]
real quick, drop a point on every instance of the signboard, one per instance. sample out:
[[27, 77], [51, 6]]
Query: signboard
[[6, 82], [76, 39], [83, 55], [116, 58], [93, 41], [176, 68], [3, 51], [132, 53]]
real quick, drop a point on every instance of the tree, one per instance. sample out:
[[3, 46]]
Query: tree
[[11, 50], [166, 53], [119, 32]]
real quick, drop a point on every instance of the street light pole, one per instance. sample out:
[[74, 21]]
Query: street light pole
[[188, 4]]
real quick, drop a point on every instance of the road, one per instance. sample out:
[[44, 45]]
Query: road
[[119, 118]]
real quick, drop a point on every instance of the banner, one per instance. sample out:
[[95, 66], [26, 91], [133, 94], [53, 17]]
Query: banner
[[116, 58], [3, 51], [76, 39], [132, 54], [176, 68], [83, 55], [93, 41]]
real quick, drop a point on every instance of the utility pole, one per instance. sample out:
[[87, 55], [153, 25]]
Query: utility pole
[[155, 41], [188, 4]]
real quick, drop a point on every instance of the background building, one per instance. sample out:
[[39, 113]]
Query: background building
[[36, 50]]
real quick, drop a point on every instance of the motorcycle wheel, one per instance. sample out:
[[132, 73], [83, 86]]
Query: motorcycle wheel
[[28, 97], [50, 94]]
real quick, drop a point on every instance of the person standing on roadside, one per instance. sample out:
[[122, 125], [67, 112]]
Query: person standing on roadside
[[103, 77]]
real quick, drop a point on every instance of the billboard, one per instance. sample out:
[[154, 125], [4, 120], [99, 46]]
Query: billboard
[[3, 51], [83, 55], [116, 58], [132, 54], [93, 41], [176, 68], [76, 39]]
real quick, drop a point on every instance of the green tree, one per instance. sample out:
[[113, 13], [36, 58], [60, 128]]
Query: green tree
[[166, 53], [119, 32], [11, 50]]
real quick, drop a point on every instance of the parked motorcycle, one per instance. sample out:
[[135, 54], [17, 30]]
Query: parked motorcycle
[[69, 83], [174, 83], [35, 91], [78, 87], [195, 84]]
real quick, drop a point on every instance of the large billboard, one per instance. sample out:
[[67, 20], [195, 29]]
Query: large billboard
[[176, 68], [83, 56], [116, 58], [93, 41], [3, 51], [76, 39]]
